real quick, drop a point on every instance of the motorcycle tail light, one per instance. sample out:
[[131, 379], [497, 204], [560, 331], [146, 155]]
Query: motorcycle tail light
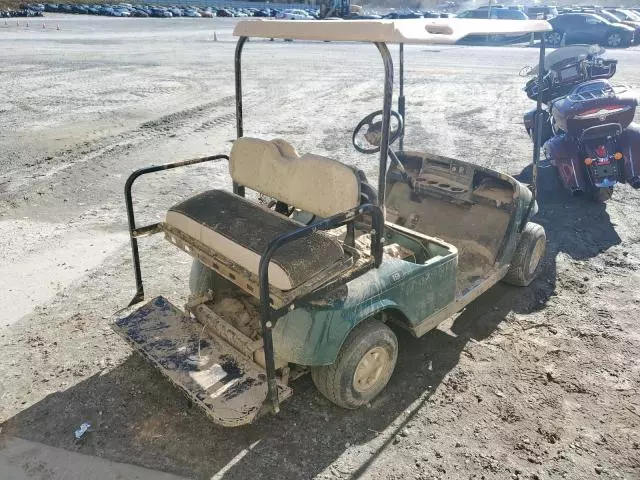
[[601, 152], [617, 156], [588, 161]]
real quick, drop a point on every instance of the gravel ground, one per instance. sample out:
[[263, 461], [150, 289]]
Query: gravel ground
[[540, 382]]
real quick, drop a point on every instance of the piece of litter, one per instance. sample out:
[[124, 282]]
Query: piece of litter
[[84, 428]]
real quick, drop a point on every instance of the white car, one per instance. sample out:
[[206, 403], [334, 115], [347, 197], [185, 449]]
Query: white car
[[121, 12], [294, 15]]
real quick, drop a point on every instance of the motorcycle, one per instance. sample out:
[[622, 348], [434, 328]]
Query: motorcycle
[[587, 131]]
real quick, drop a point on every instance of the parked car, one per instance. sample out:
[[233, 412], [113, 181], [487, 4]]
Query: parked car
[[627, 17], [294, 15], [589, 28], [79, 9], [355, 16], [404, 15], [496, 13], [539, 11]]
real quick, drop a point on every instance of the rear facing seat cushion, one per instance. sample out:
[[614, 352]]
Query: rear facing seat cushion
[[240, 230], [312, 183]]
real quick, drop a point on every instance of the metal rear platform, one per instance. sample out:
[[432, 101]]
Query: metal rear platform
[[229, 387]]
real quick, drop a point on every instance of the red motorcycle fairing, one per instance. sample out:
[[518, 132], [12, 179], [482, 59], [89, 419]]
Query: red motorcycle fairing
[[629, 144], [562, 152]]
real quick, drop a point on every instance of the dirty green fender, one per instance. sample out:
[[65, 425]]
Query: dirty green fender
[[512, 235], [314, 331]]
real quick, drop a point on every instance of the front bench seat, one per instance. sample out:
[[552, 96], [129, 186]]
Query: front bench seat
[[240, 230]]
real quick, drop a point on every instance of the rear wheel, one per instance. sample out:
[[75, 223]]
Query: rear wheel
[[601, 195], [202, 280], [527, 259], [554, 38], [363, 367], [614, 40]]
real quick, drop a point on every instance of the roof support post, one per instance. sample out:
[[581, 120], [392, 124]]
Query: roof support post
[[386, 122], [401, 107], [239, 189], [538, 119]]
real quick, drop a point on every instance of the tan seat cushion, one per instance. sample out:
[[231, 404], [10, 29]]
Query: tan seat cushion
[[312, 183], [240, 230]]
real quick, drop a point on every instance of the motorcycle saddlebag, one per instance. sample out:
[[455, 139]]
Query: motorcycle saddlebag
[[629, 143], [561, 151], [574, 114]]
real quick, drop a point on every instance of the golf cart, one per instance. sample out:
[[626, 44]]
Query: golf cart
[[310, 283]]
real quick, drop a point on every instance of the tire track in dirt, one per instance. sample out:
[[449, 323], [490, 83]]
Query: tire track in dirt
[[176, 124]]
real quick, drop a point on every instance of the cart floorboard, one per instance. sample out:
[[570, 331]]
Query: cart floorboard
[[229, 387]]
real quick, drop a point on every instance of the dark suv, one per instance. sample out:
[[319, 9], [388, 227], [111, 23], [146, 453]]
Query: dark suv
[[541, 12], [589, 28]]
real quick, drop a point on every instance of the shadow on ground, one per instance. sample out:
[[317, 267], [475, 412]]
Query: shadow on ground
[[576, 226], [140, 418]]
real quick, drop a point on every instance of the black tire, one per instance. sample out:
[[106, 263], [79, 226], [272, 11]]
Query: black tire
[[337, 382], [615, 40], [202, 279], [554, 38], [527, 259], [601, 195]]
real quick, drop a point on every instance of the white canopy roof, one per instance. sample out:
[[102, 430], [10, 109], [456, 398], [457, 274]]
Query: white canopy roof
[[428, 30]]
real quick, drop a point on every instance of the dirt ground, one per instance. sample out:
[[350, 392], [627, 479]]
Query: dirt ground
[[539, 382]]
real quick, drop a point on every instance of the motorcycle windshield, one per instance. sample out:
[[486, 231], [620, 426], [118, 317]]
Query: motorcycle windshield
[[564, 54]]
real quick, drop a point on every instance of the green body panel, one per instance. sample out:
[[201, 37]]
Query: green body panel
[[522, 202], [313, 332]]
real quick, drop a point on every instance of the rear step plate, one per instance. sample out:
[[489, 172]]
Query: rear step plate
[[227, 385]]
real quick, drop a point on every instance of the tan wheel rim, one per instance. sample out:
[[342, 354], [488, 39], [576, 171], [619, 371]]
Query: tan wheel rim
[[536, 256], [371, 368]]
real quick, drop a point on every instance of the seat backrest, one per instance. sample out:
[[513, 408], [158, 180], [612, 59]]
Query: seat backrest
[[312, 183]]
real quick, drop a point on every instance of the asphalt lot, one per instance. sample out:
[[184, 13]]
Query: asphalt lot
[[539, 382]]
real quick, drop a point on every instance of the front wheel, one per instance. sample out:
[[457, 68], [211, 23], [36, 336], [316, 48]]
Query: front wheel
[[527, 259], [363, 367], [554, 38], [614, 40]]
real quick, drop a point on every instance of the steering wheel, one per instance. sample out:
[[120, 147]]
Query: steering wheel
[[371, 129]]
